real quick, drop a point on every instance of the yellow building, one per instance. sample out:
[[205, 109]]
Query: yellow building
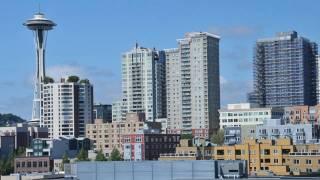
[[305, 159], [263, 156], [184, 151]]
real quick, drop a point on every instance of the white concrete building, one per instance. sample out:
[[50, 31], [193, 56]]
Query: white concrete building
[[318, 79], [173, 85], [236, 115], [143, 89], [193, 85], [67, 108]]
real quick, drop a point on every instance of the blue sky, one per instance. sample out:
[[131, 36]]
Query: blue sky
[[91, 35]]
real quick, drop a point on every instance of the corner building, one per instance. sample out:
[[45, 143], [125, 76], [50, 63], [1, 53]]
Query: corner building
[[193, 85]]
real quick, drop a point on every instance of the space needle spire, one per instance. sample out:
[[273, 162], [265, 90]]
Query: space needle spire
[[40, 27]]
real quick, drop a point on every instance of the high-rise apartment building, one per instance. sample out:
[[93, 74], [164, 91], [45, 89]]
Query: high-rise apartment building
[[193, 85], [67, 108], [173, 85], [318, 79], [143, 87], [285, 71]]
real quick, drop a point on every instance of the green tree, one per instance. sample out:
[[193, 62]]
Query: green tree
[[83, 155], [6, 164], [65, 160], [218, 138], [186, 136], [20, 151], [48, 80], [10, 119], [74, 79], [100, 156], [115, 155], [85, 81]]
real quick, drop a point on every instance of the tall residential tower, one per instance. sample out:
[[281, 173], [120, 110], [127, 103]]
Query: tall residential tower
[[193, 85], [67, 107], [285, 71], [40, 27], [143, 87]]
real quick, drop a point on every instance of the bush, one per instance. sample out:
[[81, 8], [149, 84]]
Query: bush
[[73, 79]]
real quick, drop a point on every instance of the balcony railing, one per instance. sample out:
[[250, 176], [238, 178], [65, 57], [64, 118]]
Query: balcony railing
[[178, 155], [304, 154]]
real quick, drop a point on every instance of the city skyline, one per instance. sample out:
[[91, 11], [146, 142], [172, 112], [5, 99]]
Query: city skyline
[[91, 57]]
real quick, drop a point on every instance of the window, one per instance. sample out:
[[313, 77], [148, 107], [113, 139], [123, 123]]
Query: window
[[29, 164], [138, 139], [275, 161], [34, 164], [296, 161], [285, 151], [220, 152], [308, 161]]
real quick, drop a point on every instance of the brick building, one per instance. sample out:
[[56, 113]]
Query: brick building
[[33, 164], [148, 146]]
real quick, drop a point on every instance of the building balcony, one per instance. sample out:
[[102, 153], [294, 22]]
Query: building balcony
[[178, 155], [263, 134], [304, 154], [229, 135]]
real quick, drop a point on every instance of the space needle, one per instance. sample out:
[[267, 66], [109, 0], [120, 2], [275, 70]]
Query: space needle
[[40, 27]]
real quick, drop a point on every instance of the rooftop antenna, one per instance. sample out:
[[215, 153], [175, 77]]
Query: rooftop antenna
[[136, 44], [39, 8]]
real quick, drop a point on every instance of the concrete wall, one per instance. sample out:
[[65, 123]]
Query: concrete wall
[[152, 170]]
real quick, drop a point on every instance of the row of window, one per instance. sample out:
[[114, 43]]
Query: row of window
[[244, 114], [33, 164]]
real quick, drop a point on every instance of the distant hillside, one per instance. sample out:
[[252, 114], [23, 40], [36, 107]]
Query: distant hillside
[[9, 119]]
